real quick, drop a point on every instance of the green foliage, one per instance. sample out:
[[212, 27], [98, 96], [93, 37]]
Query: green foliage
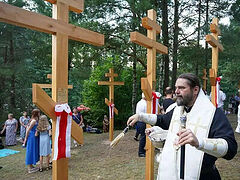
[[94, 95]]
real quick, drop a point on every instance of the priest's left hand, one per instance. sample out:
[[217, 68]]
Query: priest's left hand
[[186, 136]]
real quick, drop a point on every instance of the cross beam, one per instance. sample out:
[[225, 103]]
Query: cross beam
[[20, 17], [61, 31], [149, 84], [111, 83], [213, 40]]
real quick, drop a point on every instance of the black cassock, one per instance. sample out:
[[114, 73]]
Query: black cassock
[[220, 128]]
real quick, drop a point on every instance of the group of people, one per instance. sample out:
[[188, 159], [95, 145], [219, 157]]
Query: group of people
[[35, 133], [196, 124], [38, 142]]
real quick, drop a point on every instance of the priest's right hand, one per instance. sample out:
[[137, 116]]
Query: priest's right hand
[[133, 119]]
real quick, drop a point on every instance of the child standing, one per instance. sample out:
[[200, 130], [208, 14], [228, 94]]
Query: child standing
[[44, 130]]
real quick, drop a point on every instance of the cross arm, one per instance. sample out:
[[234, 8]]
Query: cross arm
[[50, 86], [213, 42], [110, 74], [17, 16], [142, 40], [146, 88], [75, 6], [110, 83], [150, 25], [47, 105], [214, 29], [107, 102]]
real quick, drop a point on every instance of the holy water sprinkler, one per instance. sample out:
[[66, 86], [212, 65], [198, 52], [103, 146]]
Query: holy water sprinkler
[[119, 137]]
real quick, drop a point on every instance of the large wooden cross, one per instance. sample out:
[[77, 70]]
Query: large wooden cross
[[61, 30], [213, 40], [111, 83], [149, 84]]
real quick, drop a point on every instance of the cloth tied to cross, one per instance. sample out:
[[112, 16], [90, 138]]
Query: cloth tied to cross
[[62, 141], [218, 79], [155, 102], [111, 110]]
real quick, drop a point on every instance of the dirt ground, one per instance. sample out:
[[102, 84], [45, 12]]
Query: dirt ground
[[96, 161]]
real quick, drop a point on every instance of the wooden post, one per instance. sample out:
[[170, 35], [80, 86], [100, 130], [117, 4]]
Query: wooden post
[[61, 30], [204, 78], [111, 83], [149, 84], [213, 40]]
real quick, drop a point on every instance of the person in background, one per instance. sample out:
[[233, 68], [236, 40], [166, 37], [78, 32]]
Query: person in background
[[23, 120], [141, 126], [167, 101], [11, 126], [237, 99], [32, 143], [77, 117], [44, 131], [105, 124], [221, 99]]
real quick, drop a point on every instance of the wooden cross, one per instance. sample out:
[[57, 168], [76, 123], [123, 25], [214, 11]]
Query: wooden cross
[[149, 84], [111, 83], [61, 30], [204, 78], [213, 40]]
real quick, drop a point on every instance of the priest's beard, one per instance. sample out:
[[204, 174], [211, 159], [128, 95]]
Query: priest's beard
[[185, 100]]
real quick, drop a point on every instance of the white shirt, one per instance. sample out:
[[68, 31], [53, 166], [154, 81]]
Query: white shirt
[[141, 106], [221, 98]]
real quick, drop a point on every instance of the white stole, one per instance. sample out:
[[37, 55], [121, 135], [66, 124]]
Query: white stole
[[199, 120]]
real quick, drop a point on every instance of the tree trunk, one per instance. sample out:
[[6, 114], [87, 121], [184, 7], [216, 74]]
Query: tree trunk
[[134, 85], [175, 43], [13, 77], [206, 44], [165, 42], [198, 37], [206, 32]]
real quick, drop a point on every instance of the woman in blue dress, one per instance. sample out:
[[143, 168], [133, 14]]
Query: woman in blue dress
[[32, 142]]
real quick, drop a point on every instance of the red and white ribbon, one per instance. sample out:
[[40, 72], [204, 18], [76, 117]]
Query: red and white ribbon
[[62, 139], [155, 102], [111, 110], [218, 79]]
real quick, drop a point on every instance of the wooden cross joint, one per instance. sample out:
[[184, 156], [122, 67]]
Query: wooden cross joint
[[214, 42], [107, 102], [50, 86], [142, 40], [149, 24], [74, 5], [47, 105], [212, 39], [146, 88], [212, 77]]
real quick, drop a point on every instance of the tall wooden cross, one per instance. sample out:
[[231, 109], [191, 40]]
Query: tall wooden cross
[[111, 83], [149, 84], [204, 78], [61, 30], [213, 40]]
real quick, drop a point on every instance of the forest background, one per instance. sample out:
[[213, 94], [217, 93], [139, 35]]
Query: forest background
[[25, 55]]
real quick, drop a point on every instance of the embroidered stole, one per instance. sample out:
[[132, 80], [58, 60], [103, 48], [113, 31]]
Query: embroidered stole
[[199, 120]]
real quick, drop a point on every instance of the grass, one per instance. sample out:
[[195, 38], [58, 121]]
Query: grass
[[96, 161]]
